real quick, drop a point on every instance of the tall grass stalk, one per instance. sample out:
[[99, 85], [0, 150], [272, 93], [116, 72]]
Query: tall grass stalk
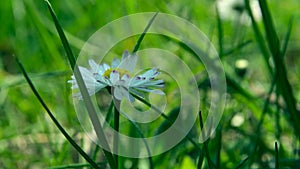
[[86, 98]]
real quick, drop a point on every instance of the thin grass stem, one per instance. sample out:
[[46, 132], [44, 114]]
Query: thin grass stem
[[165, 117], [143, 138], [242, 163], [78, 165], [205, 146], [276, 156], [139, 41], [58, 125], [86, 98], [116, 128]]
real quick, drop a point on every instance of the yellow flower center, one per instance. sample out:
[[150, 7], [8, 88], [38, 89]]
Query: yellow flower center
[[120, 71]]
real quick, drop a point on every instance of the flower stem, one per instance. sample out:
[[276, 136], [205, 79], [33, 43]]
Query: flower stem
[[116, 127]]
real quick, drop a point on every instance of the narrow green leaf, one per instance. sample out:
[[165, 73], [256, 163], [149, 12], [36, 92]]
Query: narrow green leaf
[[200, 159], [276, 156], [261, 120], [166, 124], [143, 138], [116, 128], [242, 163], [236, 48], [58, 125], [94, 156], [139, 41], [258, 35], [272, 37], [205, 146], [220, 33], [109, 113], [86, 98], [62, 36], [283, 83], [266, 104], [287, 38], [188, 137], [219, 147], [79, 165]]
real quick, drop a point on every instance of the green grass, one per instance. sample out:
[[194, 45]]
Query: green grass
[[260, 126]]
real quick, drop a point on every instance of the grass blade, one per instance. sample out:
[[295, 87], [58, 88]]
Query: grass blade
[[86, 98], [283, 84], [58, 125], [200, 160], [258, 35], [143, 138], [80, 165], [237, 47], [72, 166], [287, 38], [220, 33], [62, 36], [276, 156], [205, 146], [188, 137], [116, 127], [139, 41], [219, 147], [242, 163]]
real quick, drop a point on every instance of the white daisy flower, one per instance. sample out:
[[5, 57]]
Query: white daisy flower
[[118, 76]]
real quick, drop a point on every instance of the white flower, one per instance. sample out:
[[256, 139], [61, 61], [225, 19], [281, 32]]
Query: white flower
[[118, 76]]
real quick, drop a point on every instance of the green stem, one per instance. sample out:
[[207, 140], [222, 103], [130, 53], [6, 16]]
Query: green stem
[[209, 161], [143, 138], [58, 125], [78, 165], [116, 127], [62, 36], [276, 156], [219, 147], [220, 33], [139, 41], [83, 90], [242, 163], [166, 117]]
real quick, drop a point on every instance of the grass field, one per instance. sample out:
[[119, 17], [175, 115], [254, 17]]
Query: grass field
[[257, 42]]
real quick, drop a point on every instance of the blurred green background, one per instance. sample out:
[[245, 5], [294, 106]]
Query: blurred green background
[[29, 139]]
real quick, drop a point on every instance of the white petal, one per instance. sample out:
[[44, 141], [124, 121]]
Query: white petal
[[158, 92], [150, 73], [154, 83], [136, 81], [129, 63], [94, 66], [126, 79], [125, 55], [115, 63], [151, 91], [114, 77], [120, 92], [131, 98], [136, 92], [103, 68], [146, 79]]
